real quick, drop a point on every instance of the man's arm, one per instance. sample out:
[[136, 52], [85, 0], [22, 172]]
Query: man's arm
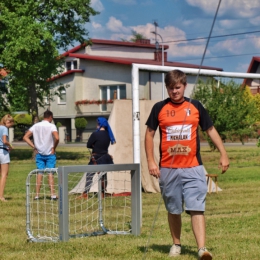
[[149, 149], [27, 139], [56, 140], [214, 136]]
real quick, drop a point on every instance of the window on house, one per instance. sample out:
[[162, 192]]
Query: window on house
[[71, 65], [111, 93], [62, 97], [46, 101]]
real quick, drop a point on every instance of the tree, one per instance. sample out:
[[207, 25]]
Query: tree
[[4, 109], [136, 36], [230, 106], [31, 33]]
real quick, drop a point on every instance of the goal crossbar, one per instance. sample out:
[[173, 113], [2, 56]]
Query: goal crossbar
[[135, 93]]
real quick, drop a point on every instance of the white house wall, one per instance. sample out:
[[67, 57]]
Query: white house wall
[[120, 51], [66, 110]]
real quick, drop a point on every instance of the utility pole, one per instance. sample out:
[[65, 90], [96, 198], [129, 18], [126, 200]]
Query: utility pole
[[155, 29]]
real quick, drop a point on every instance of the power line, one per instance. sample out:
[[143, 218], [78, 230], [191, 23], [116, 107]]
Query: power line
[[220, 57], [212, 37]]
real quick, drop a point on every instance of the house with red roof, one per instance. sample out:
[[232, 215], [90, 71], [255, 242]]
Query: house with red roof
[[98, 73], [254, 84]]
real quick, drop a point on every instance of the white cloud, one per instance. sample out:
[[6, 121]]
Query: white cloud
[[229, 24], [233, 46], [97, 5], [125, 2], [96, 25], [255, 21], [237, 8], [256, 42], [186, 51], [242, 67], [116, 26]]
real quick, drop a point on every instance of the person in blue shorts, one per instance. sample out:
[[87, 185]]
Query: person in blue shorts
[[45, 142]]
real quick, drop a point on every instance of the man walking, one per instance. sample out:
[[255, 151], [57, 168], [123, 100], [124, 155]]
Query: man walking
[[181, 174]]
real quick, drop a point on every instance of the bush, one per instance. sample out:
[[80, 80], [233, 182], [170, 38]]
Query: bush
[[58, 125], [80, 123], [23, 119], [18, 133]]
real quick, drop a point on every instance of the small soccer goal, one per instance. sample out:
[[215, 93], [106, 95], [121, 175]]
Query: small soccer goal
[[82, 210]]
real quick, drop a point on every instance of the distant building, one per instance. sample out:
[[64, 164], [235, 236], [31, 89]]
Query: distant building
[[254, 84], [95, 75]]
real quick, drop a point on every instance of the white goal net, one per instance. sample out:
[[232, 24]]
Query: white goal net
[[84, 210]]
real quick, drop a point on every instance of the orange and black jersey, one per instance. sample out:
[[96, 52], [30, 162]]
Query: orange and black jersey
[[178, 126]]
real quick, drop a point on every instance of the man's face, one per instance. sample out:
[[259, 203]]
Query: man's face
[[176, 93]]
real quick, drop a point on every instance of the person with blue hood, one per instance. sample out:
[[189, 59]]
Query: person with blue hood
[[99, 142]]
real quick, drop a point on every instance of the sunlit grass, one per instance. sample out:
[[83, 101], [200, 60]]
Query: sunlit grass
[[232, 216]]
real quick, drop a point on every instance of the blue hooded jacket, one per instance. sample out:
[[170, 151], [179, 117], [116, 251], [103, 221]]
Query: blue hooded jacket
[[102, 122]]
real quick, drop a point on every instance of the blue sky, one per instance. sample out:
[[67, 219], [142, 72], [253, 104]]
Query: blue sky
[[185, 20]]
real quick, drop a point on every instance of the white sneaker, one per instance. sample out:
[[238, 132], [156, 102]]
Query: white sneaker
[[175, 251], [204, 254], [54, 197]]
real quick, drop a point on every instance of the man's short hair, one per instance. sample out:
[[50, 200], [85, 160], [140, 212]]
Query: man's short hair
[[175, 76], [47, 114]]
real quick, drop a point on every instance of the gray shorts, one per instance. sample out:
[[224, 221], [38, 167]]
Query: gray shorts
[[183, 186]]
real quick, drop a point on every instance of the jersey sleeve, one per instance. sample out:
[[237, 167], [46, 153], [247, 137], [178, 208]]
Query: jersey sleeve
[[152, 121], [205, 121]]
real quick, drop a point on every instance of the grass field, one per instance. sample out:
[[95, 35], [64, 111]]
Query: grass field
[[232, 215]]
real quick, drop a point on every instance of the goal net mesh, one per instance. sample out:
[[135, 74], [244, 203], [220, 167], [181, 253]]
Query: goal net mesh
[[91, 213]]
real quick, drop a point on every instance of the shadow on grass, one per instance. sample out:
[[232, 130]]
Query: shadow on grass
[[165, 249], [22, 154]]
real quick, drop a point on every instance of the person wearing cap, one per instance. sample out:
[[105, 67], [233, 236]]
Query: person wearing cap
[[99, 142]]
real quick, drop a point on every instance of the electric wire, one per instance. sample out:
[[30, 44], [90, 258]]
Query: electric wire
[[196, 80]]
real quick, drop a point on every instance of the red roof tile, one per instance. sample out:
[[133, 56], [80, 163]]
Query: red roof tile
[[65, 74], [130, 61]]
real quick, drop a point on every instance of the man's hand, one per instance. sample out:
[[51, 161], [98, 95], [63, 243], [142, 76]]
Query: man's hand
[[223, 163], [154, 169]]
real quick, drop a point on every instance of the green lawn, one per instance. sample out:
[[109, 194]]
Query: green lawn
[[232, 215]]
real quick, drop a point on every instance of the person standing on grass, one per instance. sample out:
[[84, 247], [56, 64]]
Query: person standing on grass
[[45, 142], [181, 174], [5, 148], [99, 142]]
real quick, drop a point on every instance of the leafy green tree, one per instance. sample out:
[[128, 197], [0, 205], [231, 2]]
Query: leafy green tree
[[31, 33], [4, 108], [230, 107], [22, 123], [256, 99]]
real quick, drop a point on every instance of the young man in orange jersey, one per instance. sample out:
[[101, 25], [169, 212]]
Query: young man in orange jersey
[[180, 171]]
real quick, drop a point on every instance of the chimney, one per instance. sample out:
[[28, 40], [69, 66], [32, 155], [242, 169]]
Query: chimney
[[143, 41], [158, 56]]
